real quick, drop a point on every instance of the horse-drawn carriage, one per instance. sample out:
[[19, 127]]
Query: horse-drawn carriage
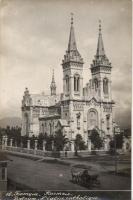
[[85, 176]]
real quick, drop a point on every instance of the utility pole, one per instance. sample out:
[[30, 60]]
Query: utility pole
[[115, 153]]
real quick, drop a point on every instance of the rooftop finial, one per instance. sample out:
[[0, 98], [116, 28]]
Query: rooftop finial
[[72, 18], [99, 26], [53, 85], [53, 76]]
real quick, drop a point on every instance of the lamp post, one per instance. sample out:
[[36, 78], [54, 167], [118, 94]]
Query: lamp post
[[115, 131]]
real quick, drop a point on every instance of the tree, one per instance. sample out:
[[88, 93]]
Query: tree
[[60, 140], [96, 139], [40, 138], [49, 139], [24, 141], [32, 141], [118, 140], [79, 143]]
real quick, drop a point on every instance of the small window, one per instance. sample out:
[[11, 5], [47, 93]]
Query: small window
[[67, 83], [108, 121], [78, 120], [95, 84], [105, 86], [76, 83]]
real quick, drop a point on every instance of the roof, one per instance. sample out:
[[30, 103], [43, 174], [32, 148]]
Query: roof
[[91, 128], [63, 122], [100, 46], [54, 116]]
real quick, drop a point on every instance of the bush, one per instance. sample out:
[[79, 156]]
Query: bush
[[79, 143], [96, 139], [60, 140]]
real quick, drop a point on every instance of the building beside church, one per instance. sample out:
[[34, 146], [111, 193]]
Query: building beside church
[[77, 110]]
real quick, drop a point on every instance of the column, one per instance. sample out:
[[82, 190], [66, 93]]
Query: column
[[52, 145], [36, 144], [124, 145], [11, 141], [71, 86], [89, 144], [44, 145], [6, 141], [72, 145], [81, 86], [3, 142], [106, 144], [28, 144]]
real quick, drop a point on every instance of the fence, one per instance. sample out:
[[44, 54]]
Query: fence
[[55, 154], [8, 146]]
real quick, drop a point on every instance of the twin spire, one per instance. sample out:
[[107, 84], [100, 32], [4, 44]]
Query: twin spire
[[53, 85], [72, 42], [100, 47], [100, 57], [72, 54]]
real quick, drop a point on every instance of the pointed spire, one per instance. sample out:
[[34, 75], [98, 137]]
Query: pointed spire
[[100, 46], [26, 92], [53, 85], [53, 81], [100, 57], [72, 42], [72, 53]]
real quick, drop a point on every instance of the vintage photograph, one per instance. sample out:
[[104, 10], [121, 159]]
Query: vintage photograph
[[65, 99]]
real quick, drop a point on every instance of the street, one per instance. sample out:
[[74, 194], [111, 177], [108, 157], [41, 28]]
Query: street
[[54, 176]]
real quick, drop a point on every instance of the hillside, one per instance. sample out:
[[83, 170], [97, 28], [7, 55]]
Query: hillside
[[10, 121]]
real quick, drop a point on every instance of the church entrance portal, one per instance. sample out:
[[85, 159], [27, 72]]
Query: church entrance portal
[[92, 119]]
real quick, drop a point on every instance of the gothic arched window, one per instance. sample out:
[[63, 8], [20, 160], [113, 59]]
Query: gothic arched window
[[76, 83], [95, 84], [50, 128], [108, 121], [43, 128], [67, 83], [105, 86], [92, 118]]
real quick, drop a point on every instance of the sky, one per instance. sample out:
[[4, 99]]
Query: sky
[[34, 37]]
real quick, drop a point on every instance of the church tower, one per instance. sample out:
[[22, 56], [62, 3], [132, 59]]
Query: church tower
[[72, 69], [101, 71], [53, 86], [101, 84]]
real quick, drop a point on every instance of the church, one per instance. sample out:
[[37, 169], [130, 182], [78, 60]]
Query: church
[[77, 110]]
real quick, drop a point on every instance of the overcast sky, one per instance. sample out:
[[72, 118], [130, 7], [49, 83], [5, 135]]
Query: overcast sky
[[34, 37]]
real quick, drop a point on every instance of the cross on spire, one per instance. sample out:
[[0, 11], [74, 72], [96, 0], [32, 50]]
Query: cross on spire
[[99, 26], [72, 18]]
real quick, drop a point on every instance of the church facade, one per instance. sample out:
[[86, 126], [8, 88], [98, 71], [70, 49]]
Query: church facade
[[77, 110]]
